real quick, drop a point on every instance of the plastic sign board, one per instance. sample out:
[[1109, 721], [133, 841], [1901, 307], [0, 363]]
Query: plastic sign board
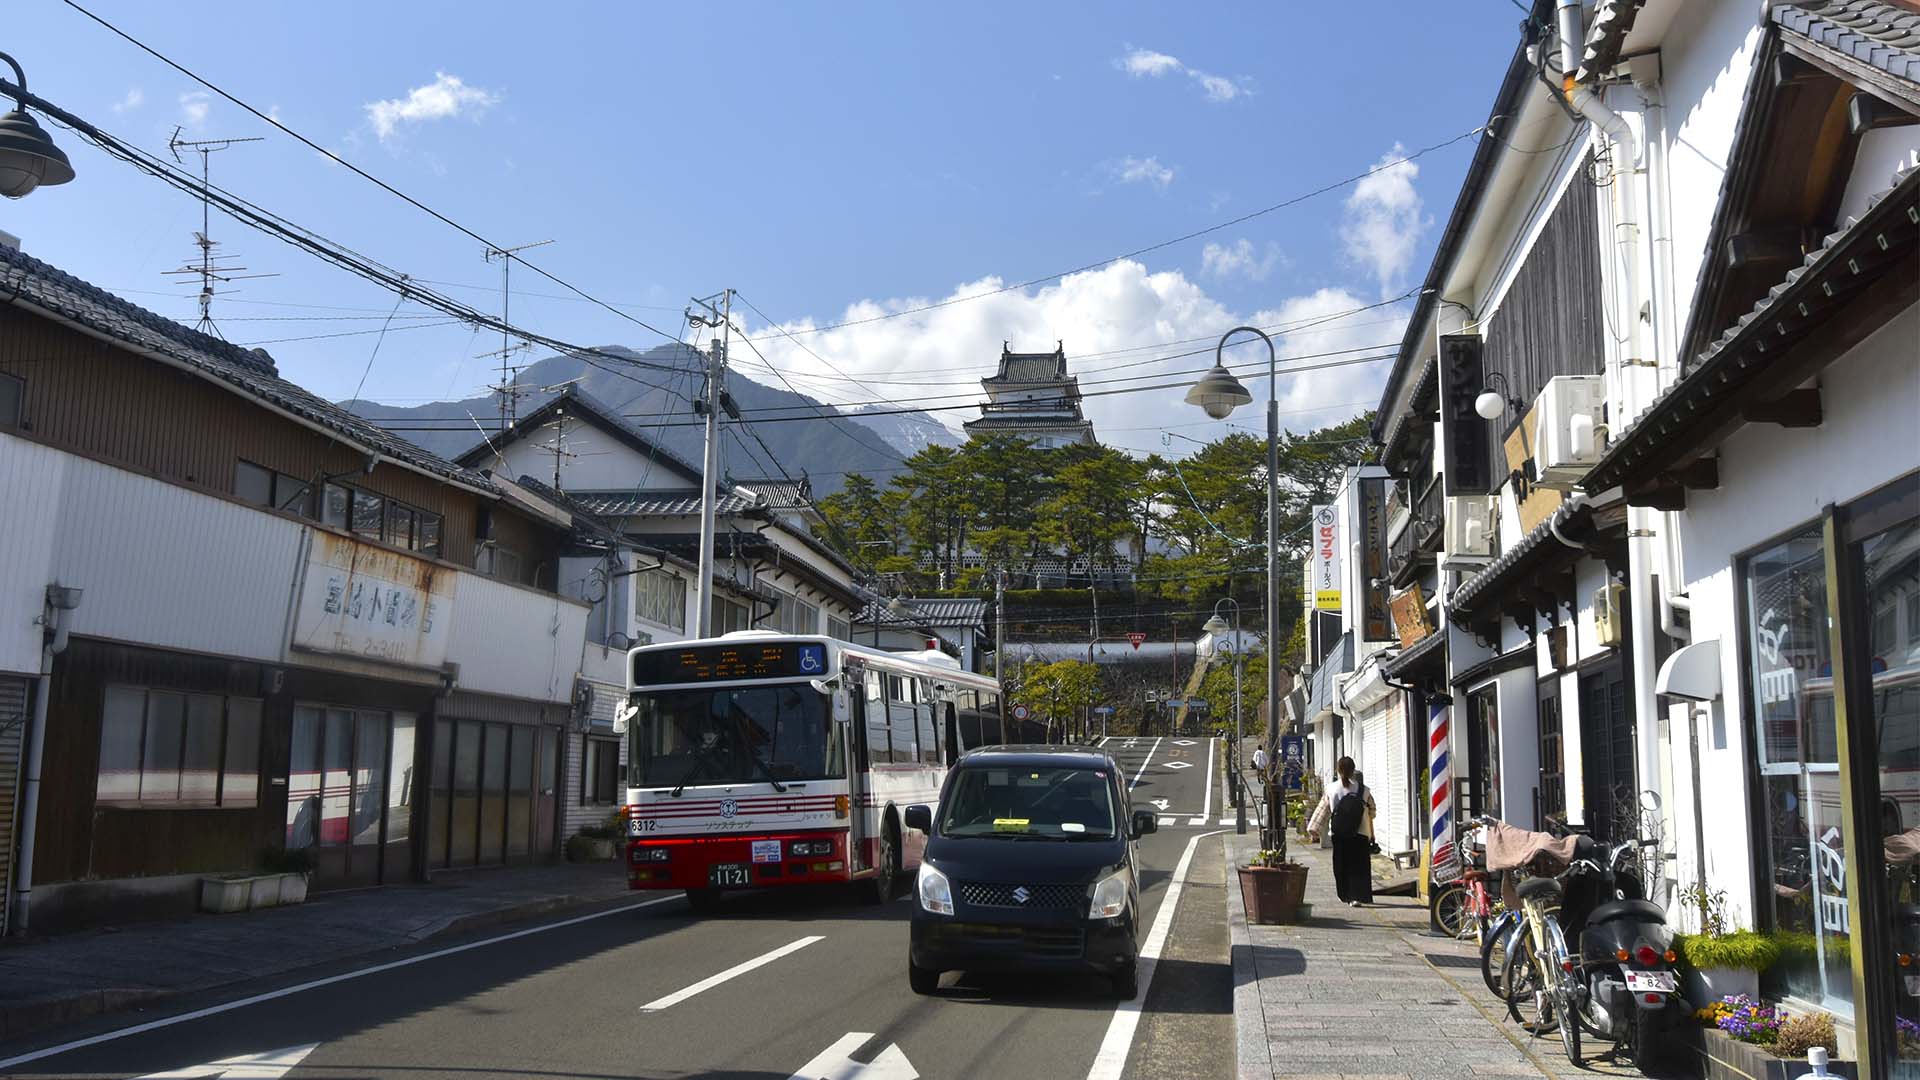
[[1323, 568], [1136, 639], [1293, 761]]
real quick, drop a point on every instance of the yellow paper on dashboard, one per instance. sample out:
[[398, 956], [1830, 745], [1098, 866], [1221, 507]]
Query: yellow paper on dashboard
[[1010, 824]]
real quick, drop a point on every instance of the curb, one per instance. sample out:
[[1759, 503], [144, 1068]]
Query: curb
[[19, 1021], [1253, 1051]]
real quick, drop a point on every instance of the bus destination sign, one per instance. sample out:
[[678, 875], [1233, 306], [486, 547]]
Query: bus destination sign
[[714, 663]]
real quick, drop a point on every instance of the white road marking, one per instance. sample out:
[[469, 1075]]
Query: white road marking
[[1145, 762], [1206, 806], [1112, 1058], [733, 972], [270, 1065], [315, 984], [1198, 821], [1226, 821], [836, 1062], [1103, 740], [1179, 765]]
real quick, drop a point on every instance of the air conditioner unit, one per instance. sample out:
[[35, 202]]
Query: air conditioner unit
[[1470, 525], [1571, 410]]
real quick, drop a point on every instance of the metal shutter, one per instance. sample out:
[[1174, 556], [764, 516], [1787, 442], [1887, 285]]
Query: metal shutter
[[13, 729]]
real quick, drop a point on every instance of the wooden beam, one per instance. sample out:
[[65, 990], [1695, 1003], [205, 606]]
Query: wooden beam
[[1697, 474], [1660, 493], [1758, 247], [1865, 113], [1798, 408]]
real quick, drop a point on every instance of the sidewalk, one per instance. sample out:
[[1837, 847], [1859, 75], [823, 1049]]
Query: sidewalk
[[1365, 992], [50, 981]]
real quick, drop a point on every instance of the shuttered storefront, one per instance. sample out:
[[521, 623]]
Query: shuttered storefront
[[13, 729]]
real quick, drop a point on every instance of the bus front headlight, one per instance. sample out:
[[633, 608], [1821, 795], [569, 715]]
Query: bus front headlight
[[936, 893]]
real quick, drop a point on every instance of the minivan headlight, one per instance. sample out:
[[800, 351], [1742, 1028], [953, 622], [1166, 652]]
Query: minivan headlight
[[936, 893], [1109, 897]]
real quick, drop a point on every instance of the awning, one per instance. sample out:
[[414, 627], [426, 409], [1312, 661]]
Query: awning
[[1540, 551], [1425, 658]]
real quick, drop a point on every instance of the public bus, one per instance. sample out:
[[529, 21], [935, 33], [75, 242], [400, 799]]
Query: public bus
[[759, 759]]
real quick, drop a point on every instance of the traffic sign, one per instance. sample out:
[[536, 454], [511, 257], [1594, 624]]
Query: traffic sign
[[1103, 710], [1136, 639], [1176, 703], [1021, 712]]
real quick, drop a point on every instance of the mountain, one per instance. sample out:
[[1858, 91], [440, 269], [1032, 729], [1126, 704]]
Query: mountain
[[909, 433], [824, 450]]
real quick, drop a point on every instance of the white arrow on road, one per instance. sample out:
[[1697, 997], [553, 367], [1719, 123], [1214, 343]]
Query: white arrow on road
[[1160, 803], [267, 1066], [836, 1062]]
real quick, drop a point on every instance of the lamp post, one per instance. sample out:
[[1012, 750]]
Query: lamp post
[[28, 157], [1218, 393], [1216, 626]]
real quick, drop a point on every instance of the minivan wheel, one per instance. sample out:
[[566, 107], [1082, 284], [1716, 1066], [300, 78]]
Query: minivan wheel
[[923, 980], [1126, 982]]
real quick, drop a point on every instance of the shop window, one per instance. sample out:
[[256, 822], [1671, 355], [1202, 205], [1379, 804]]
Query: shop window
[[1483, 745], [13, 397], [729, 616], [660, 597], [162, 749], [839, 629], [600, 772], [1553, 776]]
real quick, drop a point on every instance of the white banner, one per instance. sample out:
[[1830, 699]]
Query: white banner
[[1323, 569], [364, 601]]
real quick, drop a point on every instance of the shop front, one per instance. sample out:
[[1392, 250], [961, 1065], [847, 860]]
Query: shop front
[[494, 782]]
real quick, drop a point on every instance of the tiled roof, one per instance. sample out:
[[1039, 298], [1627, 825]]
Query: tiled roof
[[781, 494], [1849, 258], [1030, 367], [1883, 35], [1517, 560], [28, 281], [942, 611], [576, 402], [1429, 651], [614, 504]]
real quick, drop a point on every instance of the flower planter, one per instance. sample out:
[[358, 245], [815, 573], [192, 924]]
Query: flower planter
[[1725, 1058], [1272, 894], [226, 895], [602, 851]]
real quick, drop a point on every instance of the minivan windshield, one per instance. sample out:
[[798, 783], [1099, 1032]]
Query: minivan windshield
[[1029, 802]]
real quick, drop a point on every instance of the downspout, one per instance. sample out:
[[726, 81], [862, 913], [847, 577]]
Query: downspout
[[1642, 525], [54, 620]]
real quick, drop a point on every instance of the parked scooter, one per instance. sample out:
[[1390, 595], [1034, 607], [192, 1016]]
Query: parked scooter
[[1623, 987]]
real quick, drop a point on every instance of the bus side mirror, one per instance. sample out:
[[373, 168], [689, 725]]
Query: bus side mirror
[[920, 817]]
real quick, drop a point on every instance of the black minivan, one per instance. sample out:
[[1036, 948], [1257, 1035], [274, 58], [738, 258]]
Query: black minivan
[[1029, 866]]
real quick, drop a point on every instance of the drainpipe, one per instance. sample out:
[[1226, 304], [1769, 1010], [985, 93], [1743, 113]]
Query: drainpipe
[[60, 602]]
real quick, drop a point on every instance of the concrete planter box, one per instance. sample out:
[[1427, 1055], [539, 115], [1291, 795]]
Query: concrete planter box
[[223, 896], [1725, 1058]]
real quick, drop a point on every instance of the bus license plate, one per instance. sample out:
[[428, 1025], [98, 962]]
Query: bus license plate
[[1651, 981], [729, 876]]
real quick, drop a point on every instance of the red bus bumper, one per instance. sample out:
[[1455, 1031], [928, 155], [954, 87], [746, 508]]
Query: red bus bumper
[[688, 861]]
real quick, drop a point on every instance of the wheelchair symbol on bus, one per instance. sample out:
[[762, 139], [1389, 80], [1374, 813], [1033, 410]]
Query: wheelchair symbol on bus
[[813, 659]]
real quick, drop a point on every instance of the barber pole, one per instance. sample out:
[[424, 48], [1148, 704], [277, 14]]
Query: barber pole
[[1440, 793]]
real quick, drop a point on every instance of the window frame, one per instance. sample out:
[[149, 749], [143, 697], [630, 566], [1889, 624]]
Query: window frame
[[18, 385], [648, 584], [223, 772], [596, 766]]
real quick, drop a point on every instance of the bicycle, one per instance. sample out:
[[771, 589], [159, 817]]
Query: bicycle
[[1461, 907]]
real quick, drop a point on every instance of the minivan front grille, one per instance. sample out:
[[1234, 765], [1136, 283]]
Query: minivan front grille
[[985, 894]]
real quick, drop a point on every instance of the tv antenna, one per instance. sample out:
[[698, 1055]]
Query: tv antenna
[[212, 267], [509, 388]]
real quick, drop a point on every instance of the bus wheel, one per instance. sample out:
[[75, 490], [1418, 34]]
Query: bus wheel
[[703, 901], [886, 869]]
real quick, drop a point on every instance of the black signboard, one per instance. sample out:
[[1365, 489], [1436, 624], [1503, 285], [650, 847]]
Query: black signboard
[[1469, 443], [1377, 625], [745, 660]]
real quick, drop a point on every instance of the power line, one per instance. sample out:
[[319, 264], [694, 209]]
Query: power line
[[357, 170], [1150, 248]]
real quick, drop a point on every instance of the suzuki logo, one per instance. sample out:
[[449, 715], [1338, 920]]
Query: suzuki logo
[[728, 808], [1021, 894]]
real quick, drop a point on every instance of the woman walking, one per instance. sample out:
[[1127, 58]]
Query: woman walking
[[1347, 807]]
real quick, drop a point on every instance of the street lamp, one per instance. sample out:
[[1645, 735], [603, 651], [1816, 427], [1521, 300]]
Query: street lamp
[[28, 157], [1218, 393], [1215, 627]]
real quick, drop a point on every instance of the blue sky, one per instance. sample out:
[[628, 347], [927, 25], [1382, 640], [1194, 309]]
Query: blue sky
[[820, 158]]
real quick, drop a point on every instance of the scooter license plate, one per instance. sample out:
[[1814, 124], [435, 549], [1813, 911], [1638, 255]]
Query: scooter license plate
[[1648, 982], [1913, 985]]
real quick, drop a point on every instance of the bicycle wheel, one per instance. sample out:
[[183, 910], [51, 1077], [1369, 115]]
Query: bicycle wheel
[[1569, 1024], [1494, 947], [1447, 911], [1529, 997]]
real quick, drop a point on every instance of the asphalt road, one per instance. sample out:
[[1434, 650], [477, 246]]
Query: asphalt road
[[773, 984]]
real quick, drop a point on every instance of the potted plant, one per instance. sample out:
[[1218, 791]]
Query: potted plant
[[1721, 963], [1272, 889]]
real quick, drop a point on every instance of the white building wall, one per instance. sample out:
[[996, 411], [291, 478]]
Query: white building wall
[[593, 461], [1773, 481], [516, 642]]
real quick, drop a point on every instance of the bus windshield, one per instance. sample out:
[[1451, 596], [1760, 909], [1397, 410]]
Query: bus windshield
[[735, 734]]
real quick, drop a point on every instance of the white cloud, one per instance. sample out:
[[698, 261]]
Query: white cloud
[[1110, 320], [443, 98], [193, 107], [1384, 220], [1148, 170], [1223, 260], [135, 98], [1145, 63]]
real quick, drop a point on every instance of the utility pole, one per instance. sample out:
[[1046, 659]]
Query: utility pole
[[509, 388], [712, 400], [1000, 639]]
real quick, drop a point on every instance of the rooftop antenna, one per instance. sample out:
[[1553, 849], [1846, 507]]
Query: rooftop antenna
[[509, 388], [211, 268]]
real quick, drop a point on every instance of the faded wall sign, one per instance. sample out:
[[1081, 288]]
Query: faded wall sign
[[358, 600]]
